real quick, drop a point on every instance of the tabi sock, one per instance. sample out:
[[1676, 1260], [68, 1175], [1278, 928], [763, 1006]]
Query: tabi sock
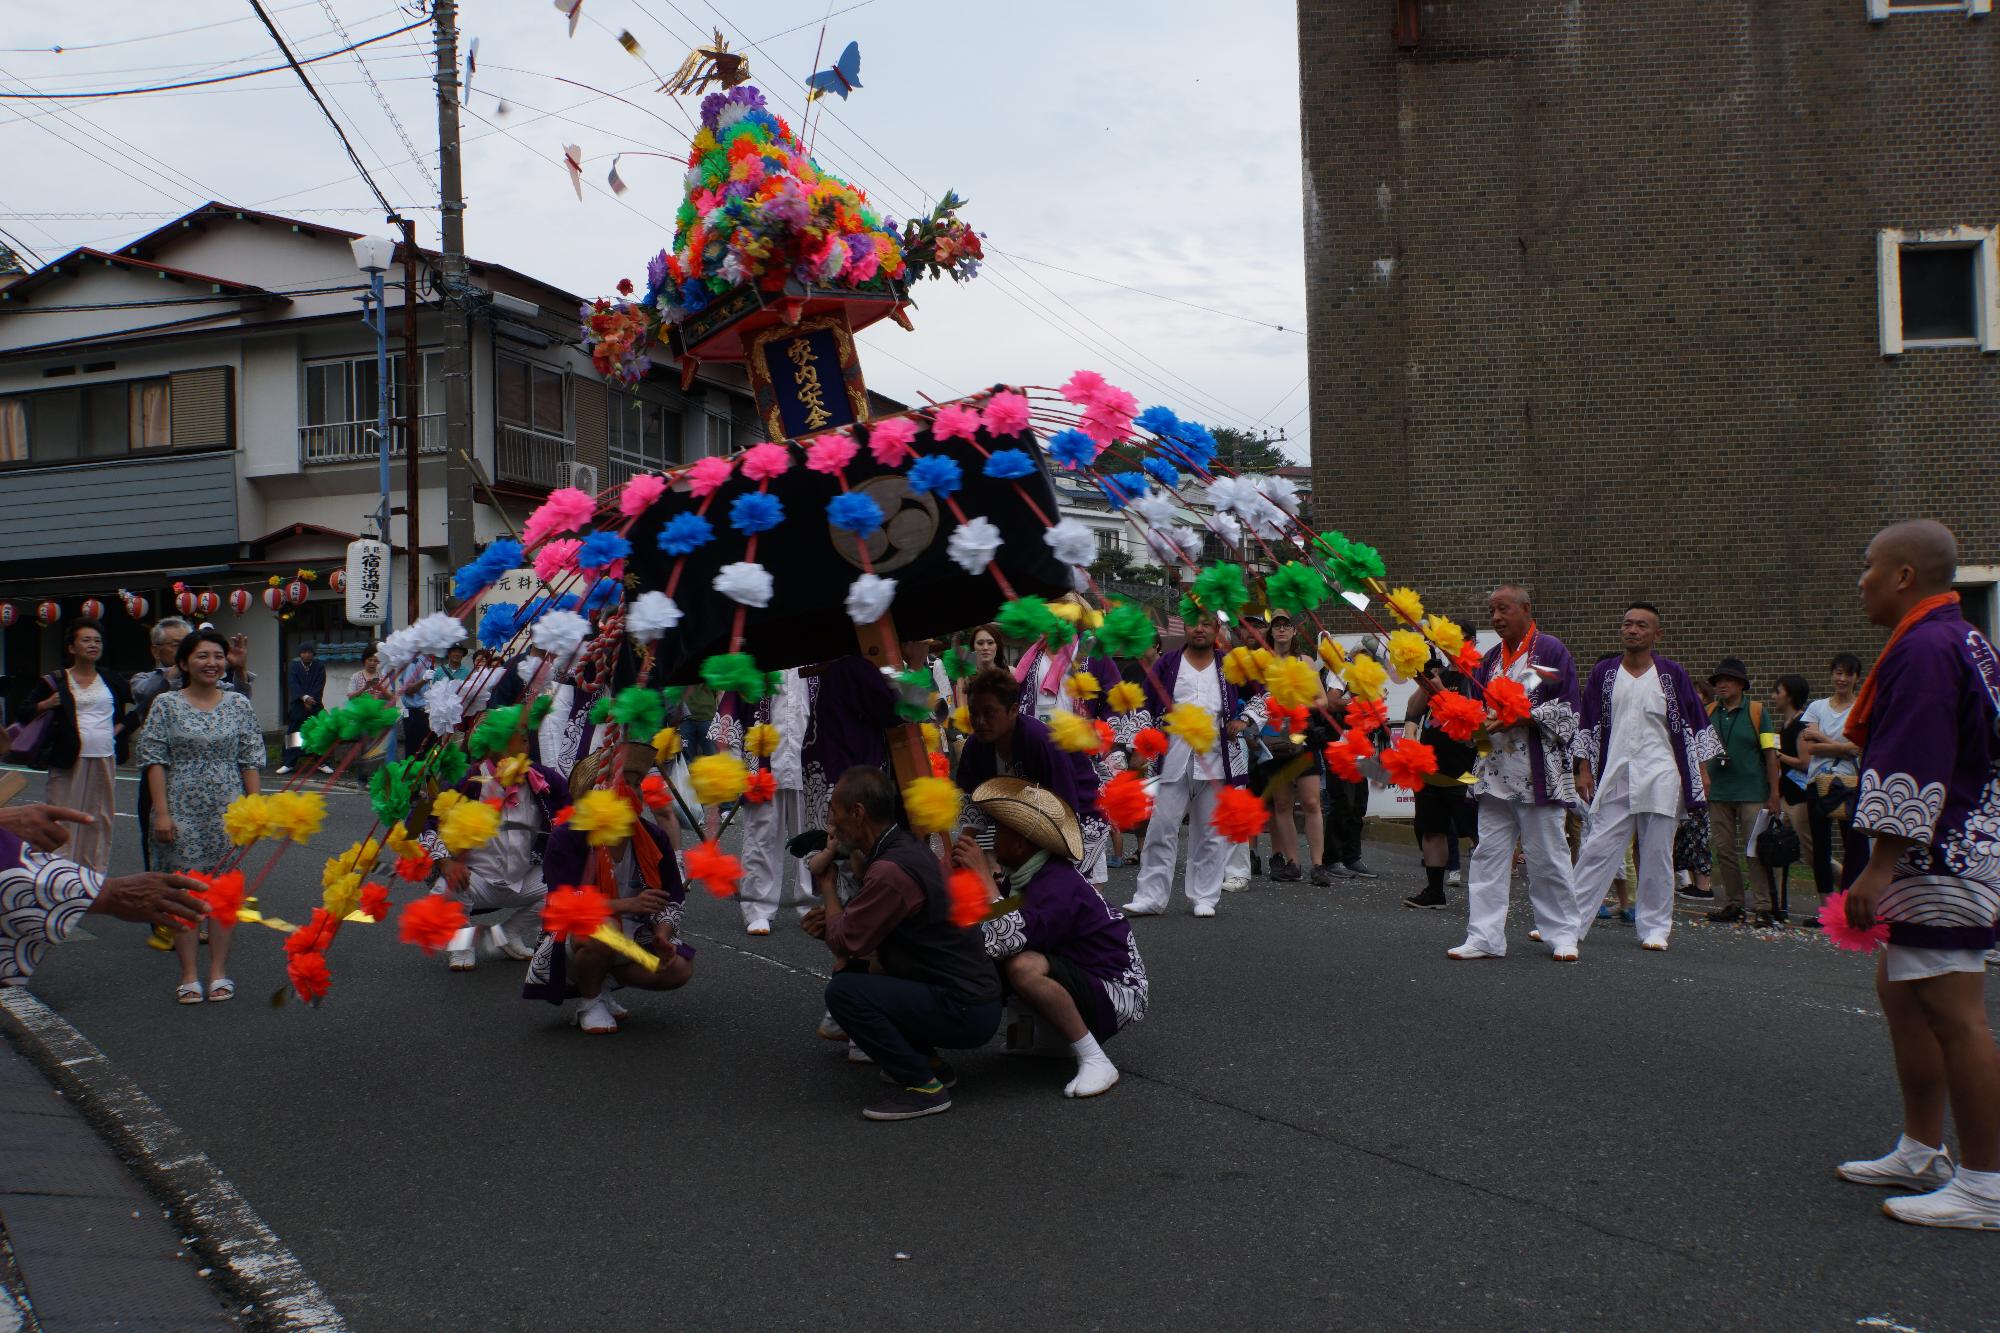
[[1985, 1184], [1914, 1152], [1094, 1070]]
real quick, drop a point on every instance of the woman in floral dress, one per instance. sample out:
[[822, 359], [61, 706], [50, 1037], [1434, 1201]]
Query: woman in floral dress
[[200, 749]]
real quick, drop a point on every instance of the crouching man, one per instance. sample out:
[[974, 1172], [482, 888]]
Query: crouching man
[[1067, 953], [931, 984]]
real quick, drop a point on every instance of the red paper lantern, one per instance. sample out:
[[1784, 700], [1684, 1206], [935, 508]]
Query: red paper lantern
[[337, 580], [137, 607], [48, 613], [184, 602], [207, 603], [274, 598], [7, 614], [92, 609], [239, 601], [295, 592]]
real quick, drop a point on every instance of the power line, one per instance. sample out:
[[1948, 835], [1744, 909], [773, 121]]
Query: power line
[[59, 78], [221, 78], [90, 130], [305, 79], [1158, 296], [138, 214], [361, 62], [210, 298], [60, 49]]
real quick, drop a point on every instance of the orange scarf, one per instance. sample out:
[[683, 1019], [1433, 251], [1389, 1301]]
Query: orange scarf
[[1856, 729], [1509, 656]]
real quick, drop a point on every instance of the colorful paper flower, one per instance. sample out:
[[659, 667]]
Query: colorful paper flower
[[639, 494], [889, 440], [969, 901], [744, 582], [707, 475], [1006, 413], [1194, 725], [755, 511], [932, 804], [936, 474], [717, 779], [1445, 634], [600, 549], [1407, 761], [972, 544], [956, 421], [604, 817], [1124, 800], [1008, 464], [1343, 756], [829, 454], [1456, 715], [762, 786], [651, 616], [1365, 677], [1124, 697], [869, 598], [429, 922], [468, 824], [684, 532], [1239, 816], [1072, 733], [1845, 935], [1408, 652], [575, 913], [1292, 682], [309, 975], [766, 462], [566, 510], [1366, 715], [1149, 743], [714, 869], [1508, 701], [1406, 606], [855, 512], [1073, 449], [556, 558]]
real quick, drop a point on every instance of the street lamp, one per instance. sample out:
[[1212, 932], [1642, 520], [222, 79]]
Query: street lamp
[[372, 255]]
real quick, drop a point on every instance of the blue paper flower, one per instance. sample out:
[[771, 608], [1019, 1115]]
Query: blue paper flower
[[684, 532], [754, 512], [1160, 470], [1122, 487], [1007, 464], [484, 569], [604, 593], [854, 512], [600, 549], [1198, 442], [1159, 420], [497, 625], [935, 474], [1073, 449]]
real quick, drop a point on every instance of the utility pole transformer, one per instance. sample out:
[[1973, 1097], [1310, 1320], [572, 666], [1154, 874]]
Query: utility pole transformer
[[457, 291]]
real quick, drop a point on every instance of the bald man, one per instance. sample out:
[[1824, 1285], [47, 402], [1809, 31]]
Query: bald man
[[1928, 724]]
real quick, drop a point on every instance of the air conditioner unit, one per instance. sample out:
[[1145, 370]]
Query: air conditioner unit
[[583, 476]]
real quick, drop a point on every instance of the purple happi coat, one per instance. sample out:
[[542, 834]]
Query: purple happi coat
[[567, 864], [1062, 916], [850, 709], [1554, 715], [1687, 723], [1037, 759], [1930, 772], [1035, 663], [1159, 685]]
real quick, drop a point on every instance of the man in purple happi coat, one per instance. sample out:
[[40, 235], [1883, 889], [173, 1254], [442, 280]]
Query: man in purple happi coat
[[1639, 754], [1928, 724], [1008, 742]]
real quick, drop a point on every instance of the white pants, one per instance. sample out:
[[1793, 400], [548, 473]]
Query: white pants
[[1238, 865], [1208, 851], [1613, 823], [766, 830], [483, 896], [1538, 830]]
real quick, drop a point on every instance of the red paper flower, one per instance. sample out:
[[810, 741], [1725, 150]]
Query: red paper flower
[[1105, 737], [761, 787], [940, 765], [224, 895], [1344, 755], [1125, 801], [1456, 715], [1508, 700], [1239, 816], [718, 871], [429, 922], [375, 900], [969, 904], [1407, 761], [416, 869], [574, 913], [653, 791], [1833, 918], [1149, 742], [1283, 720], [309, 975], [561, 816], [1367, 716], [1468, 658], [314, 935]]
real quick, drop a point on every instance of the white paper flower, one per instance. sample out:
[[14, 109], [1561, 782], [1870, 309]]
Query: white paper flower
[[973, 543], [745, 583], [653, 614], [868, 598], [1279, 491], [527, 667], [1226, 527], [560, 633], [1155, 509], [447, 708], [1073, 542], [1171, 543], [396, 652], [436, 633]]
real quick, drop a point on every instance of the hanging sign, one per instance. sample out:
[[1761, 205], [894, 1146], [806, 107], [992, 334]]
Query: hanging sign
[[367, 581]]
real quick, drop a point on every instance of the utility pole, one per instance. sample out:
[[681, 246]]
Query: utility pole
[[412, 419], [452, 278]]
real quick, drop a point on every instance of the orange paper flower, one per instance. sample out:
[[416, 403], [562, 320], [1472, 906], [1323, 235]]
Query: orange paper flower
[[1125, 801], [574, 913], [1468, 657], [1407, 761], [1367, 716], [653, 791], [416, 869], [314, 935], [224, 895], [1106, 738], [309, 975], [1344, 755], [717, 871], [761, 787], [968, 898], [1149, 742], [1508, 700], [1456, 715], [375, 900], [429, 922], [1239, 816], [940, 765]]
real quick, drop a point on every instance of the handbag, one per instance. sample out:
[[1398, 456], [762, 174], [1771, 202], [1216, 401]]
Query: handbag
[[29, 742], [1778, 844], [1830, 796]]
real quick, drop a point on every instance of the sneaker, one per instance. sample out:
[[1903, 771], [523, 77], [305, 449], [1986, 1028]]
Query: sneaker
[[1952, 1205], [1360, 870], [461, 960], [594, 1017], [1337, 870], [828, 1029], [1456, 879], [1604, 912], [941, 1070], [1136, 909], [1204, 909], [908, 1104], [1699, 895], [281, 770], [1727, 916], [1628, 916], [857, 1056], [1425, 899], [1235, 884], [326, 768], [1468, 951], [1322, 877], [1908, 1166], [498, 940], [1114, 862], [1286, 871]]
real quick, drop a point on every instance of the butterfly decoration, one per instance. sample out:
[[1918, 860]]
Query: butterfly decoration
[[573, 161], [571, 10], [614, 180], [843, 78], [471, 68], [705, 65]]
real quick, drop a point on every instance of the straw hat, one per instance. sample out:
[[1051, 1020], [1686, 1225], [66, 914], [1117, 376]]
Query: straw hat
[[584, 776], [1036, 813]]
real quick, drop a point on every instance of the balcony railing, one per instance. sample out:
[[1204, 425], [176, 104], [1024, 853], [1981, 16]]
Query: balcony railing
[[529, 457], [354, 441]]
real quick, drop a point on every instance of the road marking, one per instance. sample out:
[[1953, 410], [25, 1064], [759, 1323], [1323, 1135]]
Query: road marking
[[1884, 1321]]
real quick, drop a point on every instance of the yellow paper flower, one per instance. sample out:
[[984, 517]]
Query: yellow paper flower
[[468, 824], [1292, 682], [932, 804], [399, 841], [1193, 724], [342, 890], [961, 717], [605, 816], [666, 744], [1082, 685], [1408, 652], [1365, 678], [1082, 617], [1125, 697], [718, 778], [358, 859], [296, 815], [442, 803], [933, 738], [1333, 655], [247, 819], [1406, 605], [1241, 666], [761, 740], [1445, 634], [510, 771], [1072, 733]]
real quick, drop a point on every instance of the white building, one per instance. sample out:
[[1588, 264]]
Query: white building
[[200, 405]]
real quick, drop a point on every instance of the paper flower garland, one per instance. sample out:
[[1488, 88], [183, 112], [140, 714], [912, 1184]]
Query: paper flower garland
[[765, 462], [640, 494], [932, 805], [1072, 542], [566, 510], [1406, 606], [1344, 755], [600, 549], [955, 421], [1456, 715], [1072, 733], [575, 913], [1006, 413], [889, 441], [468, 824], [1239, 816], [754, 511], [1125, 801], [1509, 701], [855, 512], [1194, 725], [1445, 634], [604, 817], [745, 583], [1407, 762], [685, 532], [560, 633], [1007, 464], [1292, 682], [936, 474], [717, 778], [830, 453], [1408, 652], [650, 616], [868, 598], [429, 922], [1365, 677], [714, 869], [972, 544]]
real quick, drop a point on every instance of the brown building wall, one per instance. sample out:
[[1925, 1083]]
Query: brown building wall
[[1592, 287]]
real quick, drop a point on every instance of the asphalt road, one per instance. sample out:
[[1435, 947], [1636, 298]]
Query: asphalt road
[[1323, 1123]]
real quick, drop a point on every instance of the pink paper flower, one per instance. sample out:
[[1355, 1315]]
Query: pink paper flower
[[707, 474], [1006, 414], [566, 510], [955, 421], [890, 440], [1833, 919], [640, 493], [762, 462], [556, 557], [1083, 386], [830, 453]]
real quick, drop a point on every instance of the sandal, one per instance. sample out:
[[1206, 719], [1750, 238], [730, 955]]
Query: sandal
[[220, 989], [188, 992]]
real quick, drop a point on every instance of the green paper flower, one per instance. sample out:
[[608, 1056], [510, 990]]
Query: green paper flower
[[1221, 588], [538, 711], [392, 788], [449, 765], [1127, 631], [734, 671], [1295, 588], [638, 710], [1354, 563], [494, 733], [320, 732], [958, 665], [365, 717]]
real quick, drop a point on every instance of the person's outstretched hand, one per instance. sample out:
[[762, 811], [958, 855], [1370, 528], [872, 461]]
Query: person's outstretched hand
[[41, 826], [152, 899]]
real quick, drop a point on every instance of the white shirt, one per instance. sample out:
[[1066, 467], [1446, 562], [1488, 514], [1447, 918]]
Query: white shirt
[[93, 718], [1832, 724], [503, 861], [1202, 687], [1640, 758], [1508, 772]]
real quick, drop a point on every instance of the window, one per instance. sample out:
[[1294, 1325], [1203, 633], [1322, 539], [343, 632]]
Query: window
[[644, 436], [344, 391], [533, 396], [1109, 541], [1878, 10], [721, 433], [89, 421], [1938, 288]]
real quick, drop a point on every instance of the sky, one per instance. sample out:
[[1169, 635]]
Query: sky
[[1152, 144]]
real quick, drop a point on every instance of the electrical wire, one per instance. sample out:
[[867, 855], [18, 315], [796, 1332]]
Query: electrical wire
[[66, 78], [361, 62], [207, 299], [222, 78], [61, 49], [306, 79], [138, 214], [1158, 296], [96, 133]]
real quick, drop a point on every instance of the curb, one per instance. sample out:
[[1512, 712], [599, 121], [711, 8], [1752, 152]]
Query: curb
[[251, 1264]]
